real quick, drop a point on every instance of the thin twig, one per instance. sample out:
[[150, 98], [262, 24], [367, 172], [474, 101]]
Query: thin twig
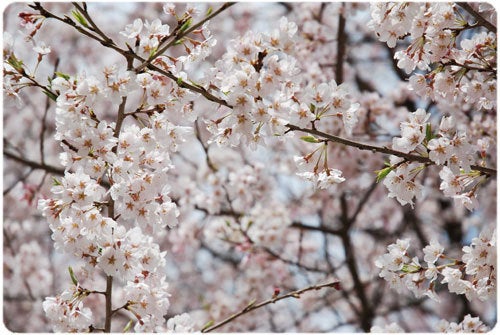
[[363, 201], [21, 179], [253, 306], [291, 262], [320, 228], [89, 19], [44, 118]]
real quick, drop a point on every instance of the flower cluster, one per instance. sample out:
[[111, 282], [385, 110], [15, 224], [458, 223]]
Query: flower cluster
[[467, 325], [181, 323], [463, 73], [478, 264], [260, 80], [134, 162], [147, 41], [66, 311], [390, 328], [322, 179], [449, 147], [401, 180], [147, 299]]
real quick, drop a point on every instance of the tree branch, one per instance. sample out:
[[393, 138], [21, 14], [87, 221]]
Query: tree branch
[[367, 312], [34, 165], [320, 228], [109, 310], [341, 41], [253, 306], [480, 20], [384, 150]]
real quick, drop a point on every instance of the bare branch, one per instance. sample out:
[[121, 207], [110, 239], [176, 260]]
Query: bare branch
[[341, 42], [34, 165], [480, 19], [253, 306]]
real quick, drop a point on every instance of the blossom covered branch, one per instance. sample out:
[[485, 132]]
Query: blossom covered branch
[[199, 166]]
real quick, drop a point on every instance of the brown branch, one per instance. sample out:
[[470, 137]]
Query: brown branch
[[274, 254], [320, 228], [384, 150], [44, 118], [67, 20], [20, 180], [253, 306], [363, 201], [109, 310], [89, 19], [367, 313], [34, 165], [120, 117], [480, 19], [183, 84], [450, 62], [341, 42]]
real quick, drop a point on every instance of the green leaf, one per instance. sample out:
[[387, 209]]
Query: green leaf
[[62, 75], [72, 275], [179, 81], [410, 268], [381, 174], [209, 11], [16, 63], [312, 108], [179, 41], [79, 17], [186, 25], [250, 223], [208, 324], [56, 182], [51, 95], [128, 326], [428, 132], [310, 139], [152, 53]]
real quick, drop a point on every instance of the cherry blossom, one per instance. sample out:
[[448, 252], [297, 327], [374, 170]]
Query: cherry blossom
[[198, 167]]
